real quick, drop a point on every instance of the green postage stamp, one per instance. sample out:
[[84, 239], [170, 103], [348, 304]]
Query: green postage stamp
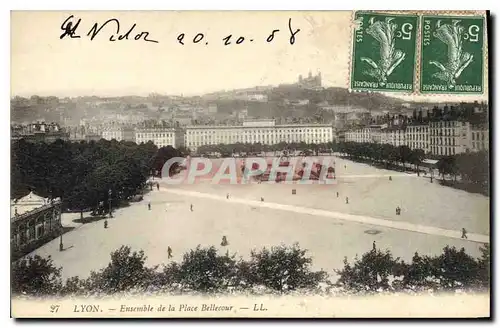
[[452, 54], [384, 49]]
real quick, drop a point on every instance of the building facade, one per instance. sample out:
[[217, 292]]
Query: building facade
[[358, 135], [440, 138], [449, 137], [262, 131], [119, 134], [394, 136], [38, 132], [479, 138], [34, 220], [417, 137], [161, 137]]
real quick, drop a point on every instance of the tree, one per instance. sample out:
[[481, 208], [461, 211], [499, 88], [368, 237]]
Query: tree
[[82, 173], [203, 270], [370, 273], [404, 155], [455, 269], [484, 266], [282, 268], [35, 275], [418, 275], [416, 158], [126, 271], [447, 166]]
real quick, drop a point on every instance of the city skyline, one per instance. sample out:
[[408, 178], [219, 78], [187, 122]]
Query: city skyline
[[79, 67]]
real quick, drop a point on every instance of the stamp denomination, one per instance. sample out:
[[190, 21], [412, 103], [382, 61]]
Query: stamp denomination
[[384, 48], [452, 54]]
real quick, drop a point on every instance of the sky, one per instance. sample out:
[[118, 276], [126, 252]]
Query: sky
[[44, 64]]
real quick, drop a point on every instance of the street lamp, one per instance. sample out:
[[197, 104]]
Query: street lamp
[[109, 200]]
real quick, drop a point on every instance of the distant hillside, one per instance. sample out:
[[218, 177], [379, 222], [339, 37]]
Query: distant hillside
[[276, 107], [339, 97]]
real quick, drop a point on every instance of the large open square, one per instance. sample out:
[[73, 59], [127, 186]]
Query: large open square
[[432, 217]]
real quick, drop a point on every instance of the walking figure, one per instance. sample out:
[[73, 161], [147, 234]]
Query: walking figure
[[261, 199], [105, 224], [347, 200], [224, 241], [374, 246], [157, 186], [337, 194], [227, 196], [191, 207], [464, 233], [398, 210], [169, 252], [390, 178], [345, 166], [149, 206]]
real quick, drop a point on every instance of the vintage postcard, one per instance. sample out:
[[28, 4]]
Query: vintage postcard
[[264, 164]]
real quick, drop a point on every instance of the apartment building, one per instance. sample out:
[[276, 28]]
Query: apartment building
[[119, 134], [449, 137], [259, 131], [417, 137], [479, 138], [161, 137]]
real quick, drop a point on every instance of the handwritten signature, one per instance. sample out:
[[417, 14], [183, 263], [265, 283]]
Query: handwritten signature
[[71, 24], [69, 28]]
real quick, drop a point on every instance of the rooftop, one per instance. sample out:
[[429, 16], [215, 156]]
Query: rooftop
[[28, 203]]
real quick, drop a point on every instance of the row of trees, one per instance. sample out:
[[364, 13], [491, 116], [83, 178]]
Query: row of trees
[[471, 167], [255, 148], [381, 153], [280, 269], [369, 151], [82, 174]]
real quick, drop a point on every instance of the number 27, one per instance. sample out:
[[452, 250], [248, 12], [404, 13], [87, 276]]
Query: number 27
[[54, 308]]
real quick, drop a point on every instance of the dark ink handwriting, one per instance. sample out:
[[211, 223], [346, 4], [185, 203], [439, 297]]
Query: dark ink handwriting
[[198, 37], [226, 40], [271, 36], [114, 32], [69, 29], [292, 38], [117, 36], [180, 38]]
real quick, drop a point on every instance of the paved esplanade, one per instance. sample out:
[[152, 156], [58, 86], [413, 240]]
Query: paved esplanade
[[473, 237]]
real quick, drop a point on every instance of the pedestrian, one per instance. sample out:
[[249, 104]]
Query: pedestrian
[[464, 233], [345, 166], [227, 196], [347, 200], [398, 210], [191, 208], [105, 224], [390, 178], [157, 186], [374, 245], [261, 199], [337, 194], [169, 252], [224, 241], [149, 206]]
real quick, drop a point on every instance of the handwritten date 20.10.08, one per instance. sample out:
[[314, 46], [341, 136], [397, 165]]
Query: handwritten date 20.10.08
[[230, 39], [112, 31]]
